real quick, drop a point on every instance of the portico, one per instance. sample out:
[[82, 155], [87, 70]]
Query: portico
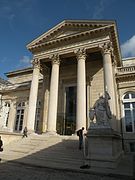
[[70, 52]]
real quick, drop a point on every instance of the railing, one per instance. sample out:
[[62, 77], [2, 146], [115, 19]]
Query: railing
[[125, 70]]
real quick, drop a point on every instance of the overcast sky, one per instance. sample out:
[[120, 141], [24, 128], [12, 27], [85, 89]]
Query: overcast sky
[[21, 21]]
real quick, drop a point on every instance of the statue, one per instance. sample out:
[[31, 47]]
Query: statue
[[101, 111]]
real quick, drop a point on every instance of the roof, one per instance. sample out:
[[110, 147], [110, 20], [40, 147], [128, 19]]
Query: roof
[[4, 82], [19, 71]]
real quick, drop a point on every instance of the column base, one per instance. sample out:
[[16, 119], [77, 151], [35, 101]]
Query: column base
[[51, 133], [104, 148]]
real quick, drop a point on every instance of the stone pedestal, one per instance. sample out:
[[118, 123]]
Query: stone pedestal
[[104, 147]]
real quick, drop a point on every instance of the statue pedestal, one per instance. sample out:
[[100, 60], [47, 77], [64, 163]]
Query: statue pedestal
[[104, 147]]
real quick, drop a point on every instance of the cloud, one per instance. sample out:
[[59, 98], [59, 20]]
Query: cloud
[[25, 60], [128, 47], [3, 60], [100, 8]]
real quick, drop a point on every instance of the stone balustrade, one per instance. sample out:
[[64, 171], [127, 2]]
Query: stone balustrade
[[126, 70]]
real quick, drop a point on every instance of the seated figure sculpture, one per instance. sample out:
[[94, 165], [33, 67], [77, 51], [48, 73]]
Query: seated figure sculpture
[[101, 111]]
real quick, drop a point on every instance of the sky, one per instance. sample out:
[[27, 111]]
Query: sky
[[22, 21]]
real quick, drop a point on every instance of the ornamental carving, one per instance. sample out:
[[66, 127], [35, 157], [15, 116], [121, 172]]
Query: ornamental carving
[[80, 53], [106, 48], [55, 59], [36, 63]]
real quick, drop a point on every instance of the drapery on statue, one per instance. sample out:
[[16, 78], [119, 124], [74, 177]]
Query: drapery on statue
[[101, 110]]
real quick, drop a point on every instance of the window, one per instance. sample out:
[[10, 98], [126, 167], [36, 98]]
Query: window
[[6, 110], [129, 111], [19, 116]]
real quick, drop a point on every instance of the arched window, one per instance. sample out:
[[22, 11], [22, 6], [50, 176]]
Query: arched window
[[19, 116], [129, 111]]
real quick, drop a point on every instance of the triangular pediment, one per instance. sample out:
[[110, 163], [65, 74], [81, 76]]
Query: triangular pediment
[[69, 28]]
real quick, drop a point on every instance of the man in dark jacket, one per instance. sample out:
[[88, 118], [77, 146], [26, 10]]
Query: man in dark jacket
[[80, 134], [1, 144]]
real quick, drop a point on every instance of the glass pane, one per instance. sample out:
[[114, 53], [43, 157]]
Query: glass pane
[[133, 104], [20, 128], [18, 111], [22, 111], [126, 96], [19, 104], [21, 122], [23, 103], [133, 95], [21, 117], [134, 118], [128, 121], [126, 105]]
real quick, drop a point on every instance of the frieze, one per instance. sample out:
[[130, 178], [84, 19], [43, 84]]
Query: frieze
[[93, 43]]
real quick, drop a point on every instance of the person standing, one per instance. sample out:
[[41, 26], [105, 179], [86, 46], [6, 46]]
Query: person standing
[[25, 132], [1, 144], [80, 134]]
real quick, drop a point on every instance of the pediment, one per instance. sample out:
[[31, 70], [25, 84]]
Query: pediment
[[69, 28]]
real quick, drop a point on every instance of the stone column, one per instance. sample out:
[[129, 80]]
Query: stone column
[[53, 99], [45, 96], [109, 76], [12, 115], [81, 89], [33, 96]]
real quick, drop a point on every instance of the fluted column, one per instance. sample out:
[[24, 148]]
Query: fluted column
[[33, 96], [108, 76], [53, 99], [81, 89]]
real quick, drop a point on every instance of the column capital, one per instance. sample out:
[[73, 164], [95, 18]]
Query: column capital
[[80, 53], [36, 63], [106, 48], [55, 59]]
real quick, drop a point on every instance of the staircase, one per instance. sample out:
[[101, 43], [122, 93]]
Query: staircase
[[60, 152]]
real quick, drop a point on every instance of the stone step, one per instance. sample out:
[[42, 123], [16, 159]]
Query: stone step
[[49, 151]]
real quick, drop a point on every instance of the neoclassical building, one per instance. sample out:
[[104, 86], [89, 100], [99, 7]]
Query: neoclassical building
[[72, 64]]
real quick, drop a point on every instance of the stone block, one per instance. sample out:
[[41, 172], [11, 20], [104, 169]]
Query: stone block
[[104, 147]]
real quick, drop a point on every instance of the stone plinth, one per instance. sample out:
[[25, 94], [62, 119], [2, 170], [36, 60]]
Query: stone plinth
[[104, 147]]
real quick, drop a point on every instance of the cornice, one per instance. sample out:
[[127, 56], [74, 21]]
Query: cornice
[[19, 71]]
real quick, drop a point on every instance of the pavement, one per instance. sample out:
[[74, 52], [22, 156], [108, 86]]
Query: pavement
[[55, 158], [15, 171]]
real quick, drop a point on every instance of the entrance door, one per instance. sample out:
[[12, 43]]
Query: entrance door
[[70, 110]]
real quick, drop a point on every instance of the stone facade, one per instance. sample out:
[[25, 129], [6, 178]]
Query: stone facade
[[72, 64]]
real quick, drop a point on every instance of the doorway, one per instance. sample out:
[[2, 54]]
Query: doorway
[[70, 110]]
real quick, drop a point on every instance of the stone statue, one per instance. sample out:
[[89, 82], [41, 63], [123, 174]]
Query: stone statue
[[101, 111]]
